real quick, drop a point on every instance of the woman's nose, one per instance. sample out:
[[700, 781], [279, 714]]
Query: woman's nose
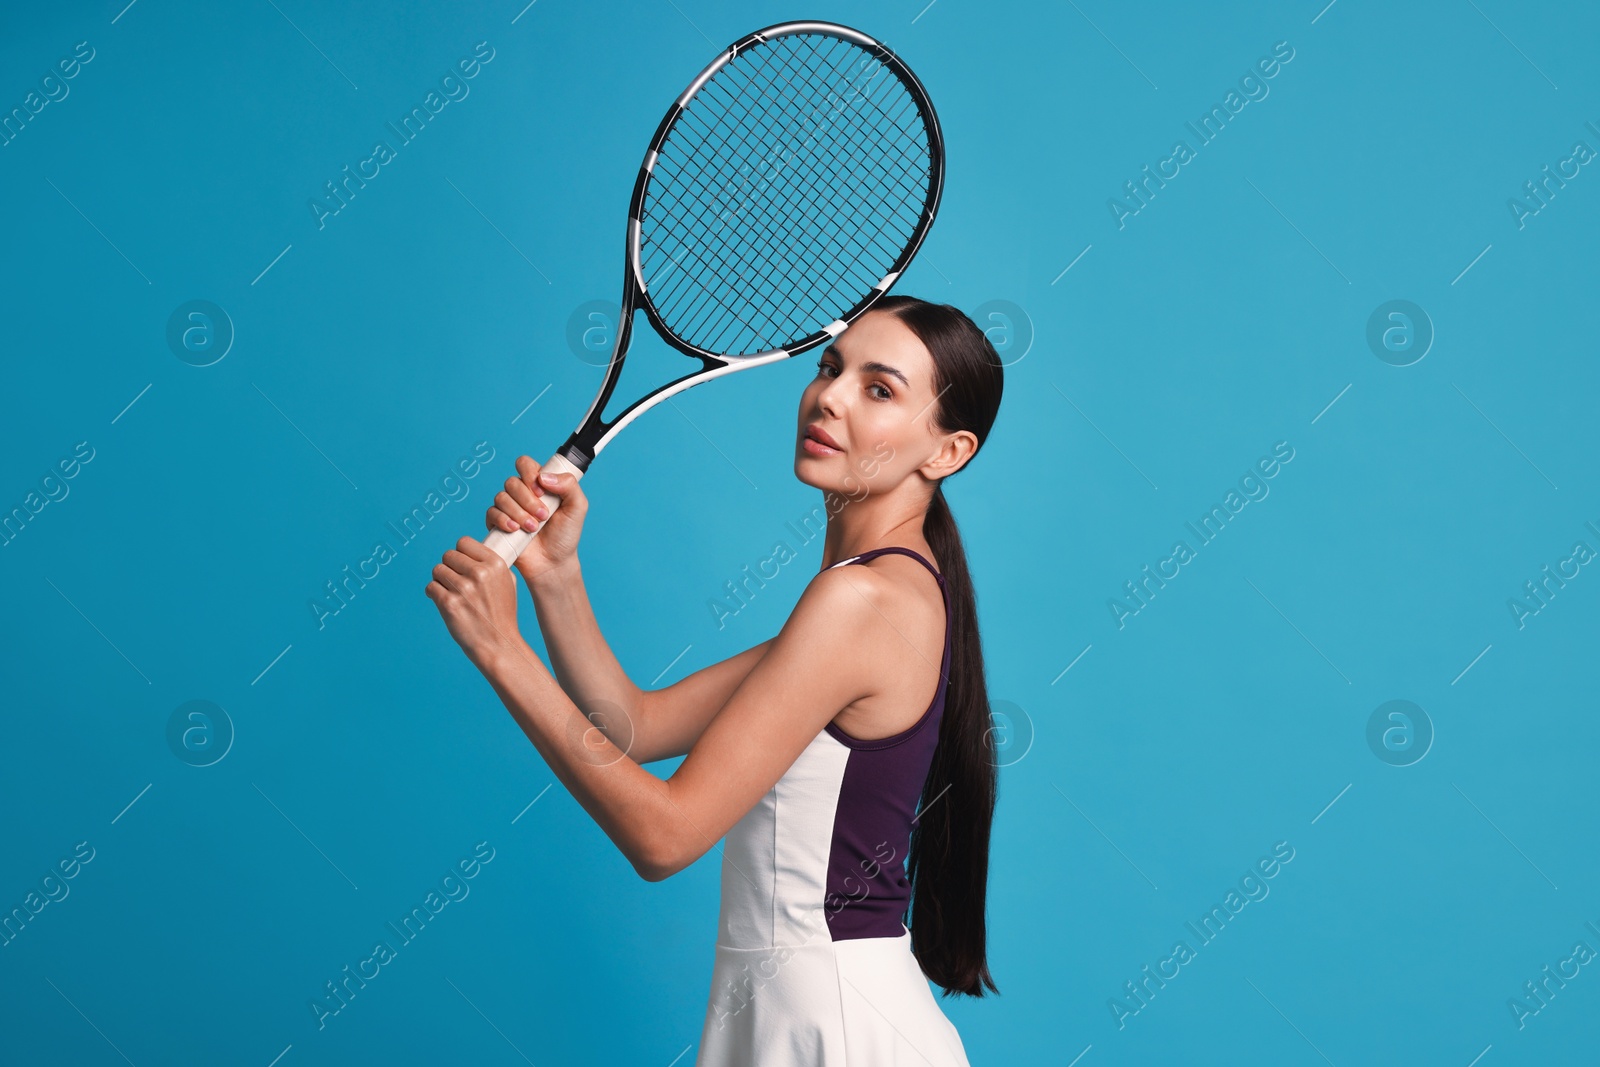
[[828, 399]]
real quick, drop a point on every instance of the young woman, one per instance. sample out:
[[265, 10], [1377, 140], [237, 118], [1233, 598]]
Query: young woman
[[812, 752]]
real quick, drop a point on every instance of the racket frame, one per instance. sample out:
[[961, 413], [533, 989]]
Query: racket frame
[[593, 432]]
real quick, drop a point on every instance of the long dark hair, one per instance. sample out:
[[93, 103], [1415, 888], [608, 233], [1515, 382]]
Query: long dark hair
[[949, 861]]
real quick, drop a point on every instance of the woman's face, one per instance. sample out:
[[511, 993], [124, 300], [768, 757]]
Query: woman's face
[[873, 399]]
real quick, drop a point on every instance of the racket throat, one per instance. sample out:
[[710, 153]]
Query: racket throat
[[576, 452]]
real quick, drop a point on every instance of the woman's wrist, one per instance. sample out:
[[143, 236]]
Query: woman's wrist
[[505, 659], [555, 578]]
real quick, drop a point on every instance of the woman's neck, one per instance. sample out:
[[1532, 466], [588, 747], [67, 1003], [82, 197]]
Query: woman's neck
[[872, 521]]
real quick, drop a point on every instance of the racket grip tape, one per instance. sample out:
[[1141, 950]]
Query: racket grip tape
[[508, 546]]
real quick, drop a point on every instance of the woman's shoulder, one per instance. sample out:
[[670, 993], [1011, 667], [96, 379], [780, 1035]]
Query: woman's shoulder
[[889, 592], [893, 620]]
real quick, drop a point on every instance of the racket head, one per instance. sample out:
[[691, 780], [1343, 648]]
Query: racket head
[[783, 194]]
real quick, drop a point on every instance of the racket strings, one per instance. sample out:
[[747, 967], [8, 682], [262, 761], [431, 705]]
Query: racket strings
[[698, 194], [769, 273], [824, 180], [701, 286], [808, 200], [885, 243], [836, 245], [809, 197]]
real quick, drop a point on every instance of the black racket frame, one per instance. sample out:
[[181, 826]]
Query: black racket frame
[[594, 432]]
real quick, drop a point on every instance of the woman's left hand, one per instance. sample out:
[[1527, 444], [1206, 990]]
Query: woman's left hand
[[475, 594]]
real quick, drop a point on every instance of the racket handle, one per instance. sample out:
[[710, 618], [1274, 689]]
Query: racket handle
[[508, 546]]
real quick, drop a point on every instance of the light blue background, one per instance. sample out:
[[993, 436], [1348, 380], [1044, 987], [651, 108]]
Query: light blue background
[[1228, 715]]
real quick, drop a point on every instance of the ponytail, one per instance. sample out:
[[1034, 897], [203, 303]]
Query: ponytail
[[949, 860], [948, 864]]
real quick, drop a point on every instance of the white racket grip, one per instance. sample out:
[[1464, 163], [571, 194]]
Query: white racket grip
[[508, 546]]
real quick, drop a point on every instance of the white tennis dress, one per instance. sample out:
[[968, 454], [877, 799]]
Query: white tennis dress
[[813, 961]]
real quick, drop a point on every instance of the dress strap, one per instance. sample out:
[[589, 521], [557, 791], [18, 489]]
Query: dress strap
[[874, 553]]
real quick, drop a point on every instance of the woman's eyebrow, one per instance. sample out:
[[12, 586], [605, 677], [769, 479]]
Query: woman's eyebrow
[[883, 368], [871, 366]]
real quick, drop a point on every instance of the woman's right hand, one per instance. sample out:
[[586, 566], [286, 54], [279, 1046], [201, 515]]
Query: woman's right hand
[[517, 506]]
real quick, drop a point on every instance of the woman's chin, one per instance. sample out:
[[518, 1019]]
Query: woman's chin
[[808, 474]]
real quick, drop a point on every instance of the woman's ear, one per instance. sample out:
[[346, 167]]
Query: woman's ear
[[953, 453]]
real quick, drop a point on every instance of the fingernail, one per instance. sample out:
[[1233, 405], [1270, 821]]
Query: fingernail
[[530, 526], [541, 513], [548, 479]]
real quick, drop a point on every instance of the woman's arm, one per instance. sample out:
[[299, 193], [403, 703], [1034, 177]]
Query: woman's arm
[[648, 724], [679, 714], [580, 657], [821, 661]]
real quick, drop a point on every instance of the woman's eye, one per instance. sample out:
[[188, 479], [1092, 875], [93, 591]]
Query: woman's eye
[[822, 365], [886, 392]]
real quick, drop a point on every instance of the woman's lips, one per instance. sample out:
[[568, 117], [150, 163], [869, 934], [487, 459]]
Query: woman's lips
[[817, 448], [815, 432]]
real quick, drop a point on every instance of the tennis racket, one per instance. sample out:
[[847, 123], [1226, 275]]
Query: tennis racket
[[784, 192]]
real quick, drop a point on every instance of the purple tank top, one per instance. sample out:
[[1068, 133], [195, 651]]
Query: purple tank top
[[867, 888]]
